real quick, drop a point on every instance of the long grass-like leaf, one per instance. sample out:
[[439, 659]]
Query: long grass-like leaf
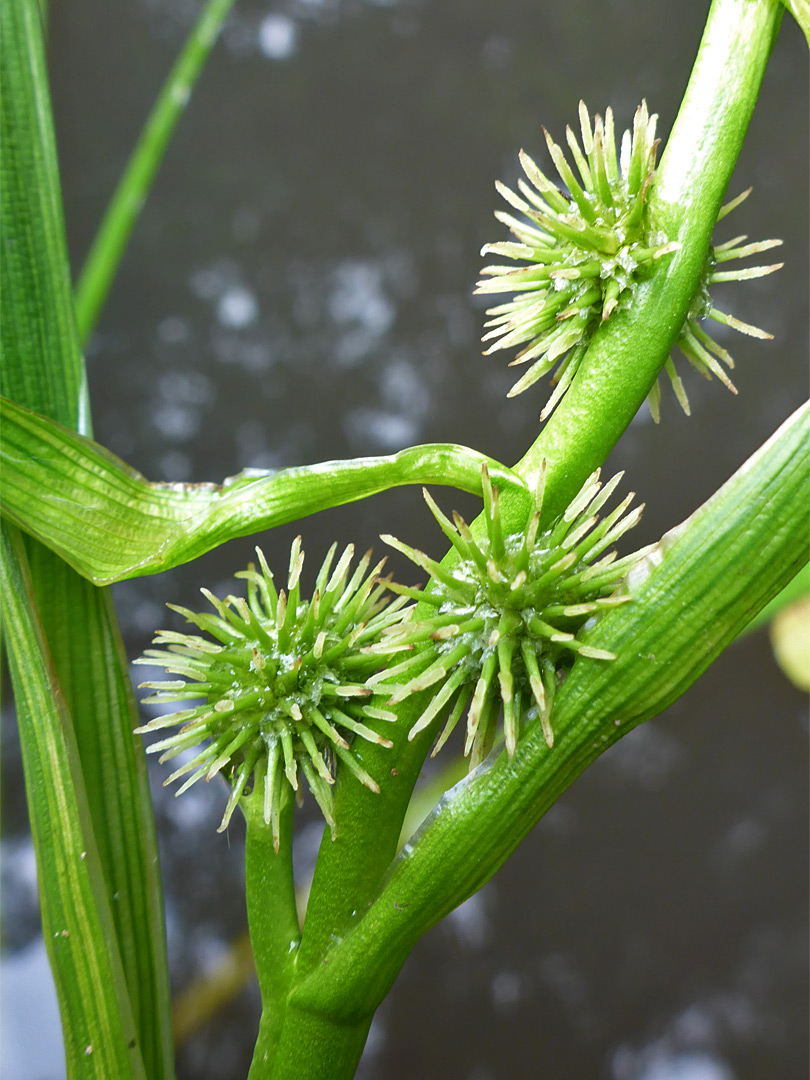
[[110, 523], [119, 219], [42, 368], [33, 232], [100, 1034]]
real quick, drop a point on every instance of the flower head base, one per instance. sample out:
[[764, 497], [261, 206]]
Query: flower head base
[[700, 349], [507, 614], [584, 250], [283, 683]]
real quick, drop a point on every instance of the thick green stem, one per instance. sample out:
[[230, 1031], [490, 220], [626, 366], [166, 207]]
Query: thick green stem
[[615, 376], [628, 352], [721, 565], [315, 1046], [272, 920], [624, 360]]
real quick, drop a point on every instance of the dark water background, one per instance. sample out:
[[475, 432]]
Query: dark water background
[[298, 289]]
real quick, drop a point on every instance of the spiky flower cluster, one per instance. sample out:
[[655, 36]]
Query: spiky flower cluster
[[585, 250], [697, 345], [507, 614], [283, 683]]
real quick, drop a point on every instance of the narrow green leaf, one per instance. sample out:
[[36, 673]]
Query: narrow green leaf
[[42, 368], [100, 1034], [110, 523], [691, 597], [119, 220], [33, 232]]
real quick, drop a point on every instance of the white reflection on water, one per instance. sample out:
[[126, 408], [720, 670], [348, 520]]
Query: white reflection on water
[[379, 428], [666, 1064], [30, 1031], [358, 303], [506, 990], [277, 37], [237, 308]]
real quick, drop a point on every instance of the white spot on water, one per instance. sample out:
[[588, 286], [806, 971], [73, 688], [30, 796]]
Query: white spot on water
[[384, 430], [689, 1065], [176, 422], [29, 1016], [278, 37], [505, 990], [173, 330], [237, 308]]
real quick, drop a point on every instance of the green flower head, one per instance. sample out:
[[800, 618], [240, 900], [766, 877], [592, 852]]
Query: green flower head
[[282, 683], [506, 615], [584, 249]]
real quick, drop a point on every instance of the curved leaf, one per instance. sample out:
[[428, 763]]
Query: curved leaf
[[110, 523]]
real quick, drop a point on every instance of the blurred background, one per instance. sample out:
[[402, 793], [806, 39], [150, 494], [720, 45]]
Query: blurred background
[[299, 288]]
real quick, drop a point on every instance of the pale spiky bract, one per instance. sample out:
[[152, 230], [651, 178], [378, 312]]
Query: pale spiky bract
[[584, 250], [694, 341], [507, 614], [283, 683]]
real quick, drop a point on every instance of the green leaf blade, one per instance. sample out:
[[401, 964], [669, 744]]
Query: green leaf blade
[[43, 368], [33, 230], [121, 215], [110, 523], [76, 919]]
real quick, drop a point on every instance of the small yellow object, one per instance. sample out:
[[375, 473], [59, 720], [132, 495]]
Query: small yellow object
[[790, 639]]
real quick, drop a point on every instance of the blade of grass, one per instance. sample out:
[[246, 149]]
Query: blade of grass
[[113, 234], [42, 367], [110, 523], [100, 1033]]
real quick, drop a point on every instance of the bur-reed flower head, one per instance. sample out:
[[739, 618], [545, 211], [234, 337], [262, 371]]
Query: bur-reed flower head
[[283, 682], [507, 613], [584, 249]]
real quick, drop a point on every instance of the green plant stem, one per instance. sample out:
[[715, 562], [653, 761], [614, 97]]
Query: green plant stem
[[614, 378], [113, 234], [315, 1046], [628, 352], [721, 565], [272, 919]]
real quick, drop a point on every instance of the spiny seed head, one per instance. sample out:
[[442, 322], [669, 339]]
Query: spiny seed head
[[507, 613], [584, 249], [694, 341], [283, 683]]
